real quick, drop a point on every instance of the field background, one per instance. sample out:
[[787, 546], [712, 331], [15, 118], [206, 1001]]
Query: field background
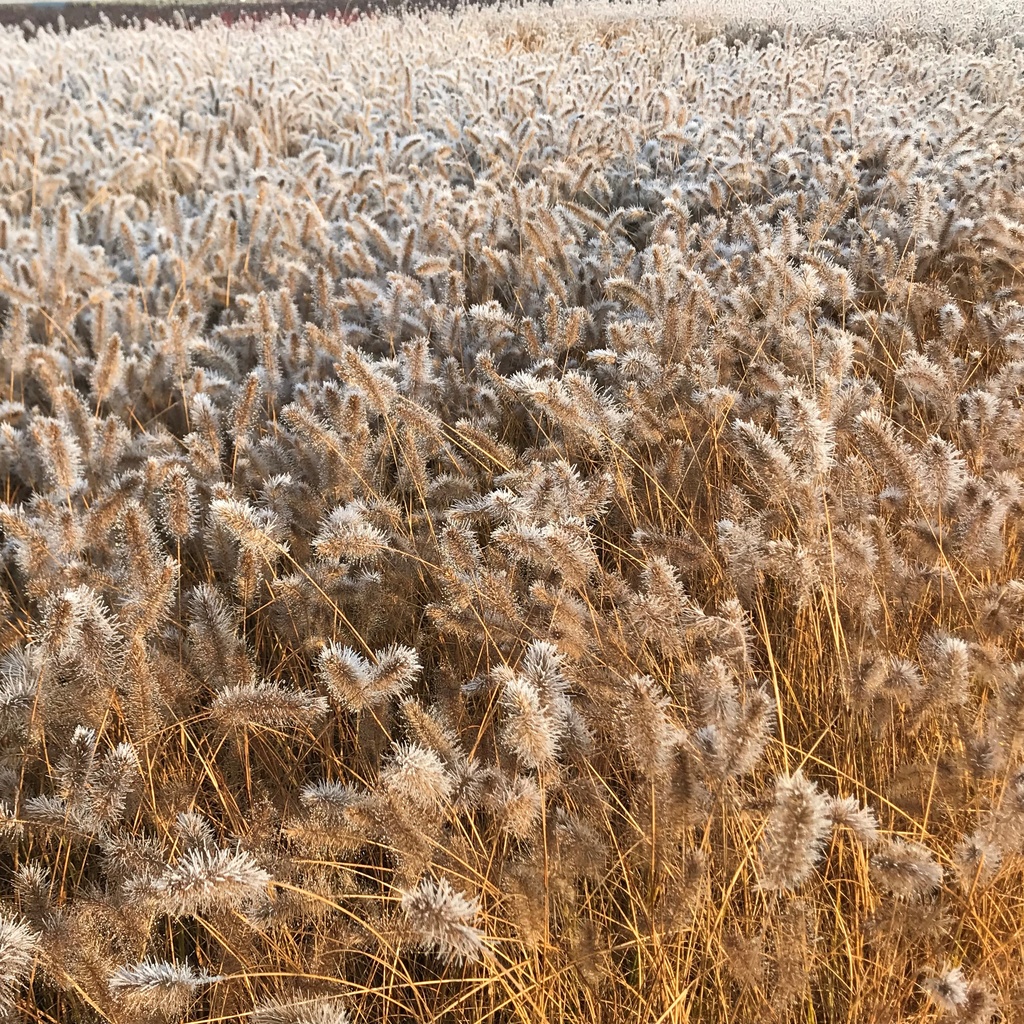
[[513, 515]]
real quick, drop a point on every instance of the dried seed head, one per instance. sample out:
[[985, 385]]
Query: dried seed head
[[346, 675], [194, 831], [951, 321], [348, 535], [520, 806], [260, 532], [745, 957], [649, 733], [268, 705], [981, 1005], [357, 683], [155, 985], [947, 990], [63, 615], [246, 405], [531, 732], [212, 632], [415, 775], [905, 869], [112, 783], [300, 1009], [32, 887], [796, 833], [74, 770], [441, 920], [18, 944], [430, 728], [179, 506], [59, 454], [396, 670], [847, 812], [977, 860], [202, 880]]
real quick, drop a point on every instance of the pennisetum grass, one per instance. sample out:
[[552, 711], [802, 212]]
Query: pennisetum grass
[[513, 515]]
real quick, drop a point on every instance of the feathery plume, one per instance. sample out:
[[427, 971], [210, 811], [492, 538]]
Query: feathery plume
[[905, 869], [346, 534], [441, 920], [267, 704], [155, 985], [179, 505], [531, 731], [847, 812], [947, 990], [415, 775], [648, 730], [796, 833], [300, 1009], [18, 945], [204, 880], [258, 531], [358, 684], [59, 453]]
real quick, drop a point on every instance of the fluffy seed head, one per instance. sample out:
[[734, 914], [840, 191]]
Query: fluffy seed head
[[441, 920], [18, 945], [204, 879], [179, 505], [520, 807], [905, 869], [796, 833], [59, 454], [300, 1009], [647, 727], [267, 704], [947, 990], [847, 812], [348, 535], [357, 683], [530, 731], [158, 985], [258, 531], [416, 775]]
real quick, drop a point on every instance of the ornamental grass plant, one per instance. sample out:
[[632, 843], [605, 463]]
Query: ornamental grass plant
[[513, 515]]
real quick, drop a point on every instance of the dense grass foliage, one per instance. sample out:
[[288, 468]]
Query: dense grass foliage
[[513, 516]]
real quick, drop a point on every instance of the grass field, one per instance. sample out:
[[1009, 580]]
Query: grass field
[[58, 16], [513, 515]]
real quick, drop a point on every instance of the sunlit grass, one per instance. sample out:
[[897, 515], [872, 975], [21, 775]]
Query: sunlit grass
[[512, 516]]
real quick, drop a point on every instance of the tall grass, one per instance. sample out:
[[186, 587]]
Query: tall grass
[[513, 516]]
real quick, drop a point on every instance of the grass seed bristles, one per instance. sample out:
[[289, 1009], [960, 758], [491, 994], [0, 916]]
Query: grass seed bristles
[[513, 513]]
